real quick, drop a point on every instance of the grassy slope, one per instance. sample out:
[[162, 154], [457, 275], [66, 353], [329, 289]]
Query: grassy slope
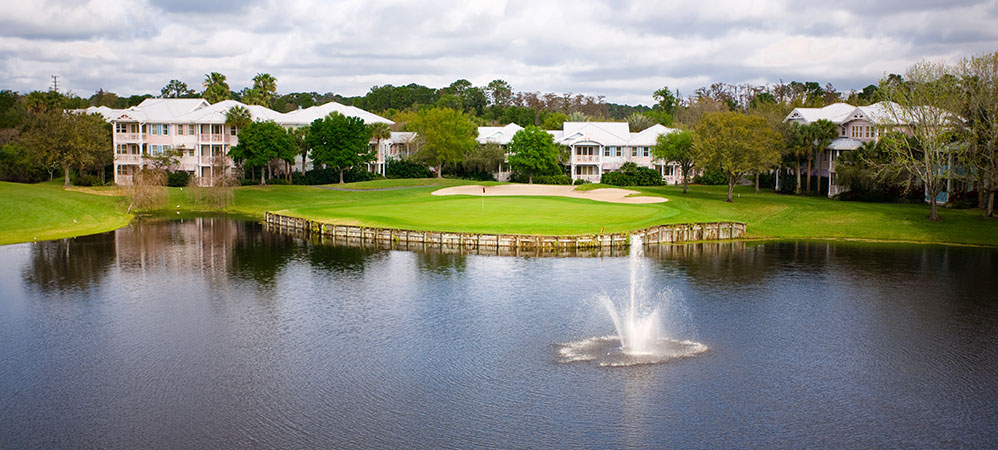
[[45, 211]]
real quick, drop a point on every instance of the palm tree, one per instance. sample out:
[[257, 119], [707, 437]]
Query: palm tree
[[238, 116], [820, 134], [265, 86], [639, 122], [379, 131], [216, 88], [300, 137]]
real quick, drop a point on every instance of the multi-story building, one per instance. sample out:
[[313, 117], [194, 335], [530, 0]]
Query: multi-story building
[[198, 129], [857, 125]]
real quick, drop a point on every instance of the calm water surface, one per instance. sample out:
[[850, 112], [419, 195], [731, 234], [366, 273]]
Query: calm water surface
[[213, 333]]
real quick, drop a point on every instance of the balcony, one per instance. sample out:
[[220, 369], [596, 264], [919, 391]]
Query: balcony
[[126, 137], [585, 158], [127, 158], [211, 138], [215, 161]]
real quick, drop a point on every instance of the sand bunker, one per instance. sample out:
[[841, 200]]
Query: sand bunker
[[612, 195]]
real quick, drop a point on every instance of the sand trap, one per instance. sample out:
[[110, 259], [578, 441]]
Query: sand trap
[[612, 195]]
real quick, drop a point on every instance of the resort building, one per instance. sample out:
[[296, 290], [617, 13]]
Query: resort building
[[857, 125], [197, 128], [600, 147]]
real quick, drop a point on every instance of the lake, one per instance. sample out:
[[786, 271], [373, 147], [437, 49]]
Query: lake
[[215, 333]]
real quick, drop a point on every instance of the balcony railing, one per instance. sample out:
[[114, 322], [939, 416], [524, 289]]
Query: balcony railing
[[215, 160], [127, 136], [211, 138], [585, 158], [127, 157]]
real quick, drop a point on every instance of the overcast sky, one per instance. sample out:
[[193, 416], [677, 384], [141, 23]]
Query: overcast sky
[[621, 49]]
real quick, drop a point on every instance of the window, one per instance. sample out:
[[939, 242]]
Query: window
[[645, 152], [180, 130], [609, 151], [121, 127], [190, 129], [634, 151], [232, 131], [842, 131], [216, 129], [166, 129]]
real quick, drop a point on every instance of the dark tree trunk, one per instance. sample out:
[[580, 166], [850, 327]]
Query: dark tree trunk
[[65, 171], [757, 182], [262, 178], [731, 188], [807, 188], [933, 211], [440, 170], [341, 176], [989, 204], [530, 178], [817, 186]]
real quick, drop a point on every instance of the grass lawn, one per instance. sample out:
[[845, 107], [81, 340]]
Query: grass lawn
[[46, 211]]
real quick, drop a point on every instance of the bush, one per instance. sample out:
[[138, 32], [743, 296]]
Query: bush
[[402, 168], [86, 180], [178, 179], [579, 182], [767, 180], [517, 177], [711, 177], [631, 174]]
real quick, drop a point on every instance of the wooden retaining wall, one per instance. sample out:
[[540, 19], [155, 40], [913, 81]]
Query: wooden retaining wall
[[676, 233]]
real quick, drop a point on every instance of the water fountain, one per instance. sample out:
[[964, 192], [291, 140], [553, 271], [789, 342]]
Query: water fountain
[[640, 338]]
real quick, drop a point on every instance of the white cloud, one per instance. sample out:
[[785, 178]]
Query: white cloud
[[622, 49]]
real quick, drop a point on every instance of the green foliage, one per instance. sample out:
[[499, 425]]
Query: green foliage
[[659, 117], [445, 136], [176, 89], [557, 179], [580, 182], [735, 144], [403, 168], [533, 151], [710, 177], [554, 121], [259, 143], [639, 122], [484, 158], [665, 100], [676, 147], [216, 88], [17, 164], [87, 180], [78, 141], [13, 113], [332, 176], [340, 142], [631, 174], [179, 178]]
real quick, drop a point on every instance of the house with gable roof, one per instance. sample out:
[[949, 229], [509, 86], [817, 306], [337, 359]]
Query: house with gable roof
[[198, 129]]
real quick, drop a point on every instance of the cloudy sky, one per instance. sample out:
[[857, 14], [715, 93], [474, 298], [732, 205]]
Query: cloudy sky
[[621, 49]]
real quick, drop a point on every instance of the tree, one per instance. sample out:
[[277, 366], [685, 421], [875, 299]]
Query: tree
[[445, 137], [340, 142], [238, 116], [676, 147], [263, 91], [638, 122], [532, 150], [260, 142], [379, 132], [735, 144], [980, 109], [554, 121], [485, 158], [922, 106], [216, 88], [665, 100], [300, 137], [67, 140], [818, 135], [500, 93], [176, 89]]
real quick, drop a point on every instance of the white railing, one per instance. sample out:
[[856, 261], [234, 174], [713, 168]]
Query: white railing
[[127, 136], [215, 160], [585, 158], [127, 157]]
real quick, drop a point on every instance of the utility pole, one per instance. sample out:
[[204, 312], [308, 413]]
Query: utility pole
[[55, 83]]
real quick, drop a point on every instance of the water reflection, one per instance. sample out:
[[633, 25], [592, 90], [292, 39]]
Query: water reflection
[[70, 264]]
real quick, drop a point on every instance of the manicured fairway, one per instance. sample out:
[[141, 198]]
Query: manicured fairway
[[44, 211]]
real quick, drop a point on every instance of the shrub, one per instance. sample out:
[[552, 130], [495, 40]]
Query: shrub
[[86, 180], [711, 177], [403, 168], [518, 177], [178, 179], [631, 174], [579, 182]]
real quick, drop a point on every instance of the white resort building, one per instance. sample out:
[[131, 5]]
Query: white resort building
[[198, 129], [857, 125]]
